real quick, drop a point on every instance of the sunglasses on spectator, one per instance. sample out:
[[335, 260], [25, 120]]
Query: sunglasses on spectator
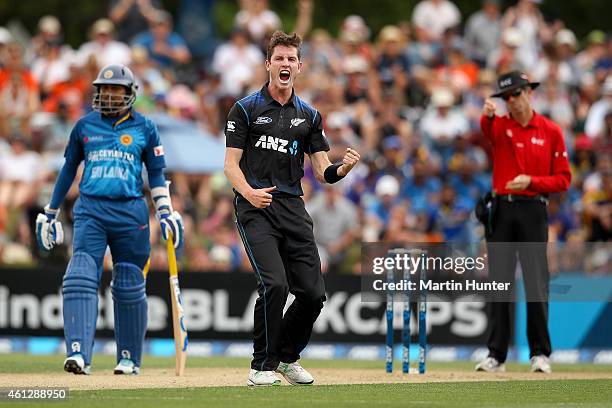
[[514, 94]]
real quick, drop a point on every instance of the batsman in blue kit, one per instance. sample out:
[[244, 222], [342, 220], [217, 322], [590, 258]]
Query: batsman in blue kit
[[113, 141]]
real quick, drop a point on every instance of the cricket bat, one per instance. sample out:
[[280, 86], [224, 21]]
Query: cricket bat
[[178, 316]]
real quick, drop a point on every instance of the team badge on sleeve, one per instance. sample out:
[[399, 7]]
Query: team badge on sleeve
[[158, 150], [231, 126]]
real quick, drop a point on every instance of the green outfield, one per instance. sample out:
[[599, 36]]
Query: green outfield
[[585, 385], [582, 393], [27, 363]]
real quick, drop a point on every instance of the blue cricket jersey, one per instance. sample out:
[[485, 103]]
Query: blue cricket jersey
[[113, 150]]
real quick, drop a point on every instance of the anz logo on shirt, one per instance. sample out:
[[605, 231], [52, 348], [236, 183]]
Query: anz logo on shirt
[[278, 144]]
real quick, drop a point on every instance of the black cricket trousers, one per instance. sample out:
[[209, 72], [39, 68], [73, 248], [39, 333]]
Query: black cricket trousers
[[524, 223], [280, 243]]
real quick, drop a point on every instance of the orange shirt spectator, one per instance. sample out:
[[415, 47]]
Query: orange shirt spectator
[[19, 96], [70, 93]]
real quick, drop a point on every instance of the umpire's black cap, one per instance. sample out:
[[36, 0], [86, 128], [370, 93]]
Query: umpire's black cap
[[512, 80]]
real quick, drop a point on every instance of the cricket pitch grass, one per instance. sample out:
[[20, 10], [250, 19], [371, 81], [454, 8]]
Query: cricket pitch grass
[[221, 382]]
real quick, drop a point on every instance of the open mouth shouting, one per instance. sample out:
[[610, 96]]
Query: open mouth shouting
[[284, 76]]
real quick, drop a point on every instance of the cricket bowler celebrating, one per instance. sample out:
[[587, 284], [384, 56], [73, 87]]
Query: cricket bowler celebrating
[[113, 141], [267, 135]]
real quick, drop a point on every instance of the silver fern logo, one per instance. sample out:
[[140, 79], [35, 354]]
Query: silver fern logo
[[296, 122]]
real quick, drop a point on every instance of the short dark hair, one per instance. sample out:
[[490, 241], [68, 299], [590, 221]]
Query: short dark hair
[[281, 38]]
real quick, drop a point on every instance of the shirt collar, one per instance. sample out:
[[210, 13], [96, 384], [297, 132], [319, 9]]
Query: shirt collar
[[116, 122], [123, 118], [266, 94], [534, 122]]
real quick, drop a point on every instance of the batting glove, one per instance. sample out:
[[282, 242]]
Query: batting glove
[[170, 221], [49, 231]]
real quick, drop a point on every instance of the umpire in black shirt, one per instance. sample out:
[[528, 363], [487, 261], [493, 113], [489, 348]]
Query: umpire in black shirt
[[267, 135]]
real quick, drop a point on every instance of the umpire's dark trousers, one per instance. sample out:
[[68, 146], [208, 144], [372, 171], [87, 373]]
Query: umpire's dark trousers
[[280, 244], [525, 224]]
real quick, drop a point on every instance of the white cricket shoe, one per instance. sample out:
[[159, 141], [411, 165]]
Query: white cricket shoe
[[76, 364], [540, 364], [257, 378], [491, 365], [126, 366], [295, 374]]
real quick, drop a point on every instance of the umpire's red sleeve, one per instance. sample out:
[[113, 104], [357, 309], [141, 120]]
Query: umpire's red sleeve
[[487, 127], [561, 176]]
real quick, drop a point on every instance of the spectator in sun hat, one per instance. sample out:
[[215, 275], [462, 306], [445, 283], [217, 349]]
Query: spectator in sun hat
[[379, 210], [551, 66], [393, 155], [103, 47], [604, 65], [583, 159], [20, 171], [50, 69], [482, 31], [321, 52], [19, 94], [354, 29], [68, 95], [257, 19], [506, 57], [441, 123], [336, 223], [340, 134], [236, 61], [358, 85], [131, 16], [554, 102], [5, 38], [435, 17], [354, 35], [49, 30], [452, 216], [165, 46], [594, 50], [526, 17], [392, 63], [594, 125], [459, 73], [566, 45]]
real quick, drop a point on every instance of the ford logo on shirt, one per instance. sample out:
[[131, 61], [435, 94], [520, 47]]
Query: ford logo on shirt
[[263, 120]]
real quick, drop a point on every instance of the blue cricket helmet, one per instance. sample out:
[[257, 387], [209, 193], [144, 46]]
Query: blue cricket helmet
[[114, 103]]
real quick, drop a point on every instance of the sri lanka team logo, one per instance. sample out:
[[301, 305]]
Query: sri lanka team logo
[[125, 139], [108, 74]]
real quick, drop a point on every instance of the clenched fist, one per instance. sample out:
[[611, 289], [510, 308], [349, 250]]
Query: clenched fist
[[489, 108], [350, 159]]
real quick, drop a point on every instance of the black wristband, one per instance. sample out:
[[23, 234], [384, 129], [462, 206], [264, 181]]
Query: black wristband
[[331, 173]]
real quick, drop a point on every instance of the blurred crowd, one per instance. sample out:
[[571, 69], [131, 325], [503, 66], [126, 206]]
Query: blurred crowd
[[408, 97]]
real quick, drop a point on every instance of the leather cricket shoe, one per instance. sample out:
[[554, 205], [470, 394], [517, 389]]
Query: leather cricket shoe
[[540, 364], [491, 365], [295, 374], [126, 366], [76, 365], [259, 378]]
